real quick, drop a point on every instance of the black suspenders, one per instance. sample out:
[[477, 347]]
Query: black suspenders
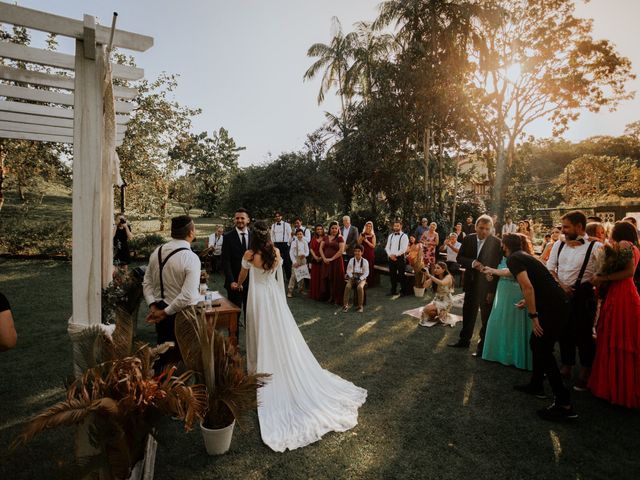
[[162, 263]]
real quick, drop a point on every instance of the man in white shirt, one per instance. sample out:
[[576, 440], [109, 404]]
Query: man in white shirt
[[280, 236], [357, 273], [298, 251], [297, 225], [397, 244], [509, 227], [214, 244], [171, 282], [572, 263], [451, 246]]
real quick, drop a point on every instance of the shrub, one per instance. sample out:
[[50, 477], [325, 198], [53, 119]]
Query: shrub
[[22, 238], [144, 245]]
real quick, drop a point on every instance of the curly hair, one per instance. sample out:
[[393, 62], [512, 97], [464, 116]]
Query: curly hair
[[261, 243]]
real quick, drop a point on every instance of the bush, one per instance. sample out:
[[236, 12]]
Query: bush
[[21, 238], [144, 245]]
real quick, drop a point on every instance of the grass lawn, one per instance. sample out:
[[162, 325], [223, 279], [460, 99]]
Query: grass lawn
[[432, 412]]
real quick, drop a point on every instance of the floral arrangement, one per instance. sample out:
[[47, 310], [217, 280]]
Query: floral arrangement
[[612, 259]]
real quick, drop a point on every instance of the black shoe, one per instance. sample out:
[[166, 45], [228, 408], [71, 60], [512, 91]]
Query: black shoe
[[477, 354], [557, 414], [459, 344], [531, 390]]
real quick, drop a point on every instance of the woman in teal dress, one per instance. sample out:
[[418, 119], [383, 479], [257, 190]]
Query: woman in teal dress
[[509, 328]]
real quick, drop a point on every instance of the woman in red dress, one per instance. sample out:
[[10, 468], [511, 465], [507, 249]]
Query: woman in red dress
[[316, 290], [331, 249], [615, 375], [368, 241]]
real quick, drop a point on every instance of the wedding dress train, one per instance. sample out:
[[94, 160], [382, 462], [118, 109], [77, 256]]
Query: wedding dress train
[[301, 401]]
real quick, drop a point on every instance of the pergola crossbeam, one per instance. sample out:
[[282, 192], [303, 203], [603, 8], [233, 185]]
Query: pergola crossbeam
[[44, 110], [47, 96], [68, 27], [47, 129], [38, 56], [55, 81]]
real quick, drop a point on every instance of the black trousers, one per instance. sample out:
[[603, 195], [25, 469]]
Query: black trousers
[[473, 301], [286, 259], [396, 273], [166, 332], [544, 362], [578, 329]]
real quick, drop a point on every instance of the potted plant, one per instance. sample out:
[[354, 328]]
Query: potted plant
[[118, 401], [231, 392]]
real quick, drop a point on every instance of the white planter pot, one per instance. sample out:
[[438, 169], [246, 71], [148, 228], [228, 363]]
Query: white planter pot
[[217, 441], [418, 292]]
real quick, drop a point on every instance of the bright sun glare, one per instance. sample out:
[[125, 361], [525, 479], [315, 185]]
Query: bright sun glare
[[513, 72]]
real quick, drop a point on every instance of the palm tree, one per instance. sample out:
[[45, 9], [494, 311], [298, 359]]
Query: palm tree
[[369, 49], [334, 60]]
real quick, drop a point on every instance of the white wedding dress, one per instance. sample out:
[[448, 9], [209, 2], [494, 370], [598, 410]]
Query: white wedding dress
[[301, 401]]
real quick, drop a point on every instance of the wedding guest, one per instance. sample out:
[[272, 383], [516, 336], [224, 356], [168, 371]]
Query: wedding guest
[[423, 227], [546, 251], [298, 225], [636, 276], [356, 276], [8, 335], [572, 263], [528, 231], [469, 227], [596, 231], [546, 306], [316, 290], [495, 229], [298, 251], [509, 226], [616, 368], [414, 259], [459, 232], [331, 250], [522, 228], [350, 235], [594, 218], [477, 251], [280, 236], [442, 282], [452, 247], [396, 248], [508, 328], [121, 236], [235, 243], [368, 242], [214, 243], [171, 283], [632, 221], [430, 242]]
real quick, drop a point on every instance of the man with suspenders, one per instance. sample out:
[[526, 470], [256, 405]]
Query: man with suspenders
[[572, 263], [171, 282], [281, 236], [397, 244]]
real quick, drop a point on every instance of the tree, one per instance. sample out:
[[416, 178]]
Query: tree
[[211, 163], [592, 178], [534, 59], [154, 129], [334, 62]]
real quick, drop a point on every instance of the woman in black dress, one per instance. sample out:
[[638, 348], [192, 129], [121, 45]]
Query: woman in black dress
[[121, 236]]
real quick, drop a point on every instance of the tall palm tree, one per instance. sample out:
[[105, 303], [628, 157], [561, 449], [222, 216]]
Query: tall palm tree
[[334, 60], [368, 50]]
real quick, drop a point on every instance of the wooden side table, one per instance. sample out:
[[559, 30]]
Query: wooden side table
[[228, 314]]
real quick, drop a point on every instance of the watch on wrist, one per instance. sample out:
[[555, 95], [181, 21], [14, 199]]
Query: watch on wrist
[[533, 315]]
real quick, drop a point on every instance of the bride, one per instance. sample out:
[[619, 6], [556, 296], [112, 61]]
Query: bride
[[301, 401]]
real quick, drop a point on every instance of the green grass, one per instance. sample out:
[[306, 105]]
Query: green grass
[[431, 412]]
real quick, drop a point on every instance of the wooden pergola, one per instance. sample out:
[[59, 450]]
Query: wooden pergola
[[80, 107]]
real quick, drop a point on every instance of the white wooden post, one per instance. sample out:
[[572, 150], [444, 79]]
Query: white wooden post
[[87, 183]]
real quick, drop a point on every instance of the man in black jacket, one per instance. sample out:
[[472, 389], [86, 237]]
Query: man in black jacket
[[235, 243], [478, 250]]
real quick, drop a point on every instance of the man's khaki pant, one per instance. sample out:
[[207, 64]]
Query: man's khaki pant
[[360, 289]]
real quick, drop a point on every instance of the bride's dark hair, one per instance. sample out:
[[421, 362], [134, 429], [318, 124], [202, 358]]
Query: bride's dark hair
[[261, 243]]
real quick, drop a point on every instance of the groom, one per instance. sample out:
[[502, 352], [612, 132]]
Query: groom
[[235, 243]]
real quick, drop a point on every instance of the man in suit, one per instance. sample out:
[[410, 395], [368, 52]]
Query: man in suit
[[235, 243], [478, 250], [350, 235]]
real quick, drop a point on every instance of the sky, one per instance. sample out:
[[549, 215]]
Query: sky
[[242, 61]]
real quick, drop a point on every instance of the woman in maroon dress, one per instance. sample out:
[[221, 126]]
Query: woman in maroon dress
[[368, 241], [331, 249], [316, 290], [615, 375]]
